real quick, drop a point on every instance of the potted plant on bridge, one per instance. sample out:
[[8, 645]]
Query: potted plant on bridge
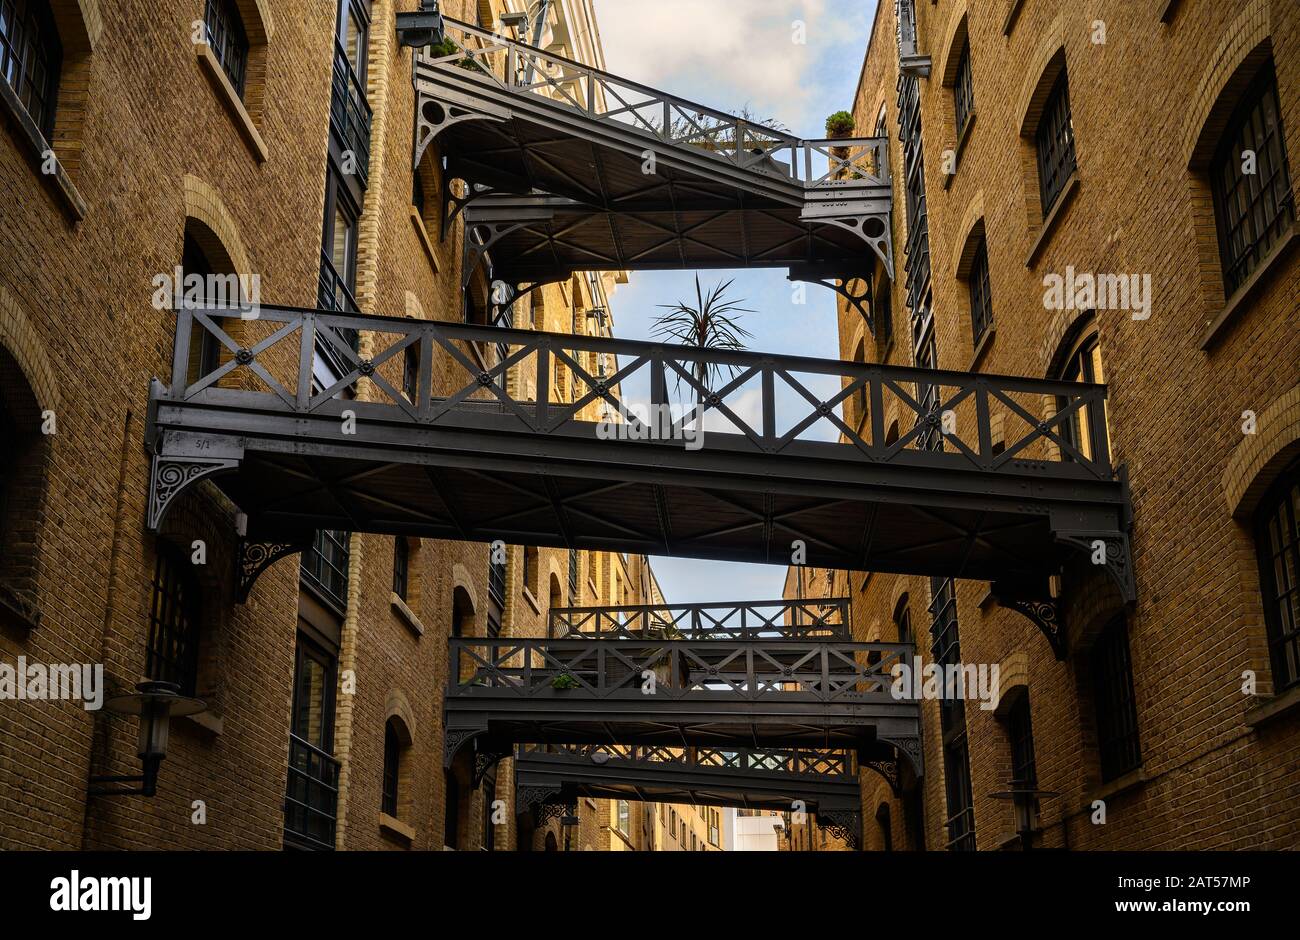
[[564, 681], [839, 125]]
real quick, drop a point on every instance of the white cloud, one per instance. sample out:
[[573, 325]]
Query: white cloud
[[735, 53]]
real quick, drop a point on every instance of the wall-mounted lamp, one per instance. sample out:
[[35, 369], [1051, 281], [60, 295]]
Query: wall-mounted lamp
[[155, 703], [1025, 801]]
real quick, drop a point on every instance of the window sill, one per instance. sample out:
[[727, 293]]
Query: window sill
[[230, 98], [405, 614], [1122, 784], [1273, 707], [981, 348], [425, 241], [1246, 292], [962, 138], [1166, 9], [29, 134], [532, 601], [394, 828], [1013, 12], [213, 724], [1053, 217], [17, 610]]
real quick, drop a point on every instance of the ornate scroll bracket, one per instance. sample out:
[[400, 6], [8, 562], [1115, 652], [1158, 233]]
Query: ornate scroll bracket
[[453, 205], [452, 741], [1036, 603], [1109, 550], [859, 300], [908, 748], [169, 476], [864, 218], [254, 556], [845, 825], [479, 239], [888, 769], [435, 112], [486, 759]]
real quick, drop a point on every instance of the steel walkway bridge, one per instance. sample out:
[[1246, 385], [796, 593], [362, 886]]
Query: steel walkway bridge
[[560, 167], [454, 431], [549, 779]]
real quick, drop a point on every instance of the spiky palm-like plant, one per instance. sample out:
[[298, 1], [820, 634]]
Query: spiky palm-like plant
[[709, 324]]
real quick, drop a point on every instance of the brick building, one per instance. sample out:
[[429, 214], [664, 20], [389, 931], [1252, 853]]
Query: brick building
[[1032, 139], [217, 136]]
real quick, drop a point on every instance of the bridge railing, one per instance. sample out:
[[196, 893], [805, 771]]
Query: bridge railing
[[425, 373], [826, 618], [751, 145], [749, 671], [827, 762]]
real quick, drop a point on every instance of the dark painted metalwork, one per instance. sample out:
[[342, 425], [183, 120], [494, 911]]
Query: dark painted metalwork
[[777, 461], [820, 618], [254, 556], [910, 62], [350, 114], [675, 183]]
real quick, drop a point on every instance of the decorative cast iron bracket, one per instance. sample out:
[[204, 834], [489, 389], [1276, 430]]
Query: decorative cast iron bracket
[[169, 476], [845, 825], [1035, 602], [909, 749], [860, 300], [1114, 551], [889, 770], [253, 556], [485, 759], [435, 112]]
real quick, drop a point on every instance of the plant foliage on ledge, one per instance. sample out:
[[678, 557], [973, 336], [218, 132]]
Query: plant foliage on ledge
[[445, 47], [839, 124], [565, 681]]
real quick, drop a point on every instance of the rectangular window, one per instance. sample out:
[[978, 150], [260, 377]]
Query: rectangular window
[[945, 647], [1055, 141], [981, 301], [401, 565], [392, 767], [325, 567], [624, 815], [31, 58], [172, 654], [1253, 210], [963, 91], [917, 248], [227, 39], [1116, 708], [1278, 541], [311, 796]]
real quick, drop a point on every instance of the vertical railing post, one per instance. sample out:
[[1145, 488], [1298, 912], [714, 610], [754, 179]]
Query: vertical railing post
[[424, 381], [181, 351], [1097, 431], [876, 383], [544, 385], [306, 350], [983, 420], [769, 405], [600, 669]]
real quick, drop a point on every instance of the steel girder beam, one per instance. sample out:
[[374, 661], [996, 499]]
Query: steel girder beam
[[822, 618]]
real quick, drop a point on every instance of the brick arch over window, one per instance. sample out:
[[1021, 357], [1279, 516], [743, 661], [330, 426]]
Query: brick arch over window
[[204, 205], [1256, 462], [258, 27], [1245, 47], [1045, 66], [397, 705], [972, 232], [1065, 328], [954, 43], [80, 25]]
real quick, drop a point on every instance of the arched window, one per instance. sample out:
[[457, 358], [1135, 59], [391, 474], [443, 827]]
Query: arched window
[[1054, 142], [1277, 539], [228, 40], [530, 569], [1111, 667], [981, 298], [172, 654], [392, 767], [1254, 205], [1082, 364], [31, 58]]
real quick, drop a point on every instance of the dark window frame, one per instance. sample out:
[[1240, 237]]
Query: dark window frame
[[1020, 730], [33, 67], [392, 769], [1079, 365], [1270, 210], [311, 798], [401, 566], [1280, 508], [981, 295], [175, 621], [223, 28], [1054, 143], [1110, 666], [963, 91], [324, 567]]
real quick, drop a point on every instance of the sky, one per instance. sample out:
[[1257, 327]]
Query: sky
[[734, 55]]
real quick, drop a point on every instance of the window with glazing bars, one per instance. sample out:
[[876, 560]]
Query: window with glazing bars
[[573, 575], [1278, 541], [325, 565], [981, 301], [963, 91], [945, 647], [392, 762], [31, 58], [174, 618], [228, 40], [1055, 142], [1116, 708], [1252, 210], [917, 247], [957, 789], [1024, 772], [401, 565]]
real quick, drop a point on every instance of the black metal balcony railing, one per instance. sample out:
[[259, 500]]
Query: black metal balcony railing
[[823, 618], [705, 671], [334, 294], [521, 69], [350, 113], [814, 392], [828, 762], [311, 798]]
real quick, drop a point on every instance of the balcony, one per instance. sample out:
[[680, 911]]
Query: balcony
[[556, 152], [311, 800], [350, 115], [823, 618], [779, 460]]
